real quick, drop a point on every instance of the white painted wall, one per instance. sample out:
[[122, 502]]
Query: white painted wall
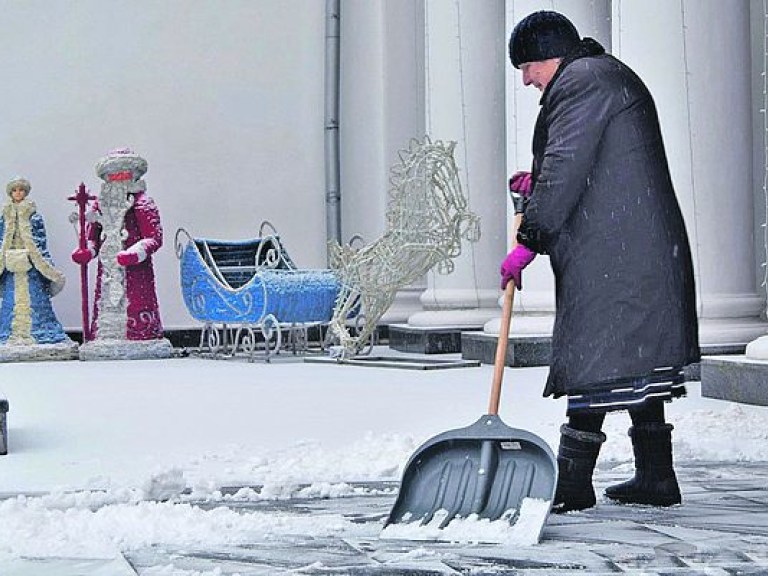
[[224, 99]]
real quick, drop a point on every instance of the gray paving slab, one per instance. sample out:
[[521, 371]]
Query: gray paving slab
[[721, 528]]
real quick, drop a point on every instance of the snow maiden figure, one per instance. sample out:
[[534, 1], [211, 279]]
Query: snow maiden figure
[[124, 231], [29, 329]]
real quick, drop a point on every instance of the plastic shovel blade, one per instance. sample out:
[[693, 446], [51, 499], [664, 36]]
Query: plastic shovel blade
[[487, 469]]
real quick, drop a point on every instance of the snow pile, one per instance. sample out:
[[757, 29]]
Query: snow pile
[[728, 432], [164, 485], [523, 530], [317, 490], [281, 471], [735, 433], [61, 526]]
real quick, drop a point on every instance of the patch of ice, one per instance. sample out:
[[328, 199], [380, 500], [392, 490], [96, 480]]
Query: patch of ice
[[172, 570]]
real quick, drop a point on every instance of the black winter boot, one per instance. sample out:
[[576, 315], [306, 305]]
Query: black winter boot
[[576, 460], [655, 482]]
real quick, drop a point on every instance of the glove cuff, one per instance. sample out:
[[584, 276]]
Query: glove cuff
[[518, 201], [524, 250], [139, 250]]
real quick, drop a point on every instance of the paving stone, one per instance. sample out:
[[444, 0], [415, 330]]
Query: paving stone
[[721, 528]]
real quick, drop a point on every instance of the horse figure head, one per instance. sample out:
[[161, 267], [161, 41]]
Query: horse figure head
[[427, 217], [427, 206]]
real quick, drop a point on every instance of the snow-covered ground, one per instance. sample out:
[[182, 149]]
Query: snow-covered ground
[[104, 450]]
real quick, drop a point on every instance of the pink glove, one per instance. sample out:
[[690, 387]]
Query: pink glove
[[133, 254], [512, 267], [82, 256], [126, 258], [520, 183]]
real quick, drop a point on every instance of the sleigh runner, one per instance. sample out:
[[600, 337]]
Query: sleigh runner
[[247, 293]]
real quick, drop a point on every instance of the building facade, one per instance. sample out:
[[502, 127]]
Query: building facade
[[226, 102]]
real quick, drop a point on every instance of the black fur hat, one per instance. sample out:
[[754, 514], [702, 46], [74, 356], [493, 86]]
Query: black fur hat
[[541, 36]]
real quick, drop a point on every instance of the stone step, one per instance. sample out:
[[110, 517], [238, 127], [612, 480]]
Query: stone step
[[735, 378]]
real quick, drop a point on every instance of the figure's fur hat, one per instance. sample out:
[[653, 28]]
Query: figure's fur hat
[[18, 181], [121, 164]]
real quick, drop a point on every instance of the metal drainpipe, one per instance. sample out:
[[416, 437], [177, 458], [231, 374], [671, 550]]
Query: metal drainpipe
[[332, 164]]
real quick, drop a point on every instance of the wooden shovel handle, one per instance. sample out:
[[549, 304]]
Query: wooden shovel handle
[[501, 345], [501, 348]]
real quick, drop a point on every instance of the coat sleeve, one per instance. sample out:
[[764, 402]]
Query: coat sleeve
[[576, 113], [2, 247], [39, 236], [150, 228], [41, 257]]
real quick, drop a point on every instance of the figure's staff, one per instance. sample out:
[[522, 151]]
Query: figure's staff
[[82, 197]]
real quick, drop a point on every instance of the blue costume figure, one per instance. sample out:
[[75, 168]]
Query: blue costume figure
[[29, 329]]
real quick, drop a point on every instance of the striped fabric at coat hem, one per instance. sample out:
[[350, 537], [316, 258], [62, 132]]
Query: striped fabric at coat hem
[[662, 384]]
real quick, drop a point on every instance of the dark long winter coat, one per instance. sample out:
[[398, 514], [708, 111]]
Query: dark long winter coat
[[604, 209]]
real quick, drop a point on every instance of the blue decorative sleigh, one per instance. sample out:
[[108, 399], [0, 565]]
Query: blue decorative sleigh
[[247, 293]]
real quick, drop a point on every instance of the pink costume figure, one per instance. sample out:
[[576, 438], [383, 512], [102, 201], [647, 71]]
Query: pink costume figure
[[124, 231]]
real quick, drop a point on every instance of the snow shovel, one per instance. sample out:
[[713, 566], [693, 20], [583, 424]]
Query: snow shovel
[[487, 468]]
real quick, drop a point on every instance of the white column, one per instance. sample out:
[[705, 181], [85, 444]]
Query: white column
[[535, 304], [697, 67], [466, 55], [382, 94], [758, 349]]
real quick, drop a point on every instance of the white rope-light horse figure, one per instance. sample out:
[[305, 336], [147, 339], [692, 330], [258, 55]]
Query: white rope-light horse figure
[[427, 217]]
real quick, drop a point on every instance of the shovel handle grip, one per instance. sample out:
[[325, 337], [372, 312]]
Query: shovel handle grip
[[501, 344]]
